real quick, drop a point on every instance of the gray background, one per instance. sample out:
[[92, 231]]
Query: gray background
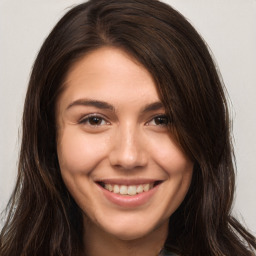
[[229, 28]]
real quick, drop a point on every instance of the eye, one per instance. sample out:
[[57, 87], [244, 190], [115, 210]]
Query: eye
[[161, 120], [93, 120]]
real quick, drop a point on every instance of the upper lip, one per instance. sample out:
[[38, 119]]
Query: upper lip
[[128, 182]]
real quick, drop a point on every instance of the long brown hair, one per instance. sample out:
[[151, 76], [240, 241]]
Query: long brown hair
[[43, 218]]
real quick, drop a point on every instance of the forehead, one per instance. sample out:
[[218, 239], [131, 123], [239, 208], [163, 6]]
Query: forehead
[[109, 74]]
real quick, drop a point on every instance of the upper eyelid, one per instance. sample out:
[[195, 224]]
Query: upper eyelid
[[84, 117], [157, 115]]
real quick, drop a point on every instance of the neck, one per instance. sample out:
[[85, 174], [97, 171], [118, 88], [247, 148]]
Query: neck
[[98, 242]]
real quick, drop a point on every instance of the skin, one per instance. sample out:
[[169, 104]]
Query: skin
[[127, 141]]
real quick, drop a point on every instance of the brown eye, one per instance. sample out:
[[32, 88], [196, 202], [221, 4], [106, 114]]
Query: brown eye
[[161, 120], [93, 121]]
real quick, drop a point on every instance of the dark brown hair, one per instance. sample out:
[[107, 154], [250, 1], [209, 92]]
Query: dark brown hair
[[43, 218]]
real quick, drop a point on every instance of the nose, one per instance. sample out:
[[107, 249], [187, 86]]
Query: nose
[[129, 149]]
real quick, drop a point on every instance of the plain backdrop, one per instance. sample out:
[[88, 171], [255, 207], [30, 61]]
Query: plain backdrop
[[229, 28]]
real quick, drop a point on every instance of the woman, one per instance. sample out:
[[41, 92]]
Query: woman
[[126, 141]]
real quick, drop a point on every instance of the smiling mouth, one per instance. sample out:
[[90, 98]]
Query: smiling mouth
[[129, 190]]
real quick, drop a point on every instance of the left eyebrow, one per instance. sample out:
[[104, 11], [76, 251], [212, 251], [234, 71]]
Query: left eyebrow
[[153, 107]]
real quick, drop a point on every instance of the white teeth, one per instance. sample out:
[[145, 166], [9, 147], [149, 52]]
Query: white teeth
[[146, 187], [123, 190], [116, 189], [139, 189], [132, 190], [129, 190], [109, 187]]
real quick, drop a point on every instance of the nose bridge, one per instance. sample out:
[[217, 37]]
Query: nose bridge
[[128, 151]]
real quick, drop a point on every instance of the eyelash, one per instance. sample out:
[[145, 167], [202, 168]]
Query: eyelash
[[88, 118], [159, 120]]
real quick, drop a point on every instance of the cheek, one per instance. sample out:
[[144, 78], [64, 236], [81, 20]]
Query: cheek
[[80, 152], [169, 156]]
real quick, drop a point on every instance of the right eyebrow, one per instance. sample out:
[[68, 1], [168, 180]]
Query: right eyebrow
[[91, 102]]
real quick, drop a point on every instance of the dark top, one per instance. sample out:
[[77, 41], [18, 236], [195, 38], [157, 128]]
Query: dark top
[[167, 253]]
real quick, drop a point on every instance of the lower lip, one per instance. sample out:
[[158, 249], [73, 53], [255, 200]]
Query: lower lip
[[129, 201]]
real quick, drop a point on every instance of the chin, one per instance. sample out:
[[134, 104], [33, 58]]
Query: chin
[[130, 234], [133, 229]]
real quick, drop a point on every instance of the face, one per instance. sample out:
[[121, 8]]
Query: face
[[116, 156]]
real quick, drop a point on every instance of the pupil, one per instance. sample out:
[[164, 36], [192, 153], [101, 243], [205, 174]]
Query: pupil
[[161, 121], [95, 121]]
